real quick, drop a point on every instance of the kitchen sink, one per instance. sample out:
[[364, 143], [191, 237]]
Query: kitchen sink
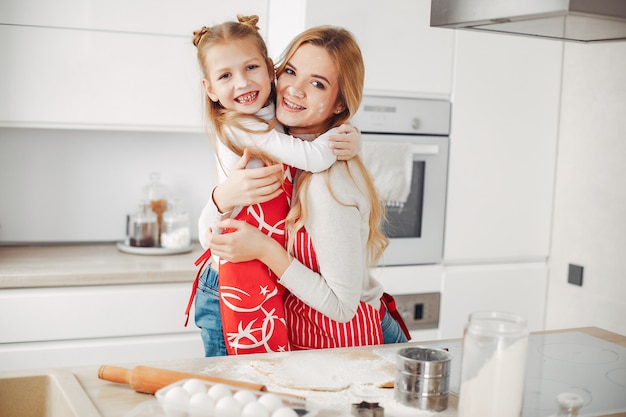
[[43, 394]]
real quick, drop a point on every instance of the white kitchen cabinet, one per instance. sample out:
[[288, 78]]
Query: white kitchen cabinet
[[516, 288], [75, 78], [166, 17], [106, 65], [67, 326], [505, 113], [400, 49]]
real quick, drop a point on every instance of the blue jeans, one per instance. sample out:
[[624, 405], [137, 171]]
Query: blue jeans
[[207, 314], [392, 332], [209, 320]]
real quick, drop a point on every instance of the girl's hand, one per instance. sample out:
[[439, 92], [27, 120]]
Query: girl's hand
[[248, 186], [346, 144], [241, 243]]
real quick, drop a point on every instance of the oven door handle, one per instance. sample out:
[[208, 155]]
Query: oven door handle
[[425, 149]]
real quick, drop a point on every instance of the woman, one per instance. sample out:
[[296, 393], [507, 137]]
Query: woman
[[333, 300]]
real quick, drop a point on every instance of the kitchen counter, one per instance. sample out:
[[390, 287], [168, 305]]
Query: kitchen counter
[[117, 400], [90, 264]]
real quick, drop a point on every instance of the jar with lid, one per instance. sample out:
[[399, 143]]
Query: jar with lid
[[156, 193], [569, 404], [142, 227], [175, 228], [493, 365]]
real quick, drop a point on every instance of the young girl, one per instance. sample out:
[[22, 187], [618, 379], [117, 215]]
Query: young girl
[[239, 82]]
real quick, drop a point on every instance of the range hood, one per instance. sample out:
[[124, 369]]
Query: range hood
[[570, 20]]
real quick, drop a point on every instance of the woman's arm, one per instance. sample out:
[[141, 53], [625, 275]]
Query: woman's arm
[[338, 233], [247, 243], [338, 236]]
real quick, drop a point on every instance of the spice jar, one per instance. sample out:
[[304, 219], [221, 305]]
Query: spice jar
[[143, 227], [156, 193], [493, 365], [175, 227]]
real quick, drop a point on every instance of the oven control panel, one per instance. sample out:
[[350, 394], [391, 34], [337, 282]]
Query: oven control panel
[[419, 311]]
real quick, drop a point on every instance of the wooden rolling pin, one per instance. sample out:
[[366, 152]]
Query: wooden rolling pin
[[150, 380]]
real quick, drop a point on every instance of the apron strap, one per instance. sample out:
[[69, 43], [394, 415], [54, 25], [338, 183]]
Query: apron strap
[[202, 260], [390, 305]]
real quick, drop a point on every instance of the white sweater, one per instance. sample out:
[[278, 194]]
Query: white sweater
[[339, 233]]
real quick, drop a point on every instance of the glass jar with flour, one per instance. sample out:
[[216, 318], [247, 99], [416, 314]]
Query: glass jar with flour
[[493, 365]]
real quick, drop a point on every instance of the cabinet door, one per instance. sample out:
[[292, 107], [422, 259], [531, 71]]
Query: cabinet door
[[505, 108], [54, 77], [66, 353], [91, 312], [513, 288], [401, 51], [171, 17]]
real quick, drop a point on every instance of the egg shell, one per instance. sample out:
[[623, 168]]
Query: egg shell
[[244, 397], [284, 412], [175, 402], [255, 409], [271, 401], [193, 386], [227, 407], [201, 405], [177, 395], [218, 391]]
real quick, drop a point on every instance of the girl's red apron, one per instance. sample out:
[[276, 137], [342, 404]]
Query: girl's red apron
[[251, 301], [310, 329]]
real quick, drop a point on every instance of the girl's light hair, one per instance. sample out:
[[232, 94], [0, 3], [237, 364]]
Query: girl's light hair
[[245, 29], [344, 51]]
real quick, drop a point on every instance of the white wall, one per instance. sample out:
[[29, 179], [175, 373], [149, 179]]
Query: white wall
[[589, 225], [78, 185]]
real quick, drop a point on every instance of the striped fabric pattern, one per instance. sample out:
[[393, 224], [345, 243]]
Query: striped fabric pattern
[[310, 329]]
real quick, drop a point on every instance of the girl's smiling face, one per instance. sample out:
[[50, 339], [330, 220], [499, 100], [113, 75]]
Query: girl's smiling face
[[239, 78], [307, 91]]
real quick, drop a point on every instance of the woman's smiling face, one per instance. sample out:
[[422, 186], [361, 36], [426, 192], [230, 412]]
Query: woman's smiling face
[[307, 91]]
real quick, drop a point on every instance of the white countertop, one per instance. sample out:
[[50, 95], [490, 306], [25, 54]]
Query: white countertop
[[90, 264]]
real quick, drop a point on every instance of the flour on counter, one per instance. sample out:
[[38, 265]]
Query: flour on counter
[[364, 373], [315, 372]]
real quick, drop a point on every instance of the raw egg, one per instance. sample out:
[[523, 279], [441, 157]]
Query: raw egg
[[227, 407], [255, 409], [270, 401], [244, 397], [219, 391], [193, 386]]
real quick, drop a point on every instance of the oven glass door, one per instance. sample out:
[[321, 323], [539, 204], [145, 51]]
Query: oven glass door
[[416, 228]]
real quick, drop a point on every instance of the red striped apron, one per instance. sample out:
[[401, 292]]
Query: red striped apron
[[310, 329], [251, 300]]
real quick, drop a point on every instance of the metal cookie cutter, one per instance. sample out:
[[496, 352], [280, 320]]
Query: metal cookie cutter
[[366, 409]]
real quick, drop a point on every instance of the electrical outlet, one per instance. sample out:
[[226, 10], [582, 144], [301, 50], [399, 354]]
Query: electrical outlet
[[419, 311], [575, 275]]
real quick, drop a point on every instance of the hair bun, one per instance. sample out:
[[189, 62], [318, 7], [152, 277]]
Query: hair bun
[[198, 34], [249, 20]]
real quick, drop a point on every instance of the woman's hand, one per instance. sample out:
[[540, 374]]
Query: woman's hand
[[248, 186], [244, 242], [240, 243], [346, 144]]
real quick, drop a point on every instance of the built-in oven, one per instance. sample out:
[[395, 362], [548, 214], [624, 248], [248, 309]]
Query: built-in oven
[[407, 139], [405, 147]]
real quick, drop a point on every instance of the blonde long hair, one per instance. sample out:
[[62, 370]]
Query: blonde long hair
[[245, 29], [346, 54]]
